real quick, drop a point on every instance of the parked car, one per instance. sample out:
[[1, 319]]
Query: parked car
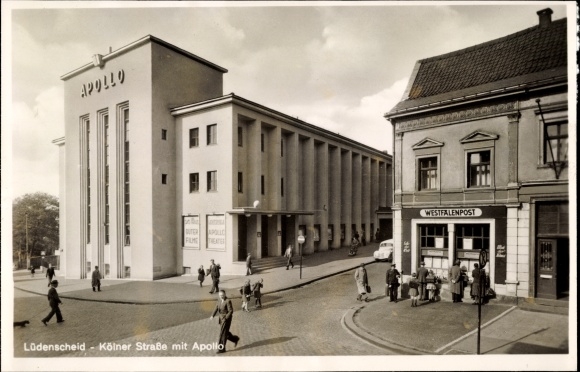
[[385, 252]]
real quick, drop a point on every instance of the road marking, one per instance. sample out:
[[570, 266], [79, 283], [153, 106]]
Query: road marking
[[475, 330]]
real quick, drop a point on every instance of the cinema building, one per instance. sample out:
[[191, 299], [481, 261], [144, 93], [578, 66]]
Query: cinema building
[[481, 162], [162, 172]]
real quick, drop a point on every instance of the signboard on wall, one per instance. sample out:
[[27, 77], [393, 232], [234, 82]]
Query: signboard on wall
[[191, 232], [216, 232], [451, 212]]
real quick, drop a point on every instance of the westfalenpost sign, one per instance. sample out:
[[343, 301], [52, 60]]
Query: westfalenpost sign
[[451, 212]]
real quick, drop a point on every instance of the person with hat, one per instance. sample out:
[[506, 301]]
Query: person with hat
[[422, 279], [225, 310], [96, 279], [214, 272], [414, 289], [456, 285], [392, 281], [53, 301], [362, 282]]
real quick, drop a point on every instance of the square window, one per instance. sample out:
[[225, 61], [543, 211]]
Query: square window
[[164, 134], [212, 134], [194, 137], [428, 172], [193, 182]]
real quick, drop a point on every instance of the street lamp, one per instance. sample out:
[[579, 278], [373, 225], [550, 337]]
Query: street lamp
[[26, 229]]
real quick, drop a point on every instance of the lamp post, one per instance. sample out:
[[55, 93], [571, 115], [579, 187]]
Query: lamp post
[[301, 241], [26, 229], [482, 263]]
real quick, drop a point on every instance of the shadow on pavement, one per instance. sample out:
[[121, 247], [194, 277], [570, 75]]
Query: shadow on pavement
[[270, 341]]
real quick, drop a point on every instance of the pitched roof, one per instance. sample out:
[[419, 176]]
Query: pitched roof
[[536, 53]]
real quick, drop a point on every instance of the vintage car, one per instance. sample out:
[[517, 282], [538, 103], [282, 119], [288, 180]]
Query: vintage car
[[385, 252]]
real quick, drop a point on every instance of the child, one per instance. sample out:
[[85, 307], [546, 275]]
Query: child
[[431, 287], [200, 275], [246, 292], [258, 293], [414, 289], [32, 270]]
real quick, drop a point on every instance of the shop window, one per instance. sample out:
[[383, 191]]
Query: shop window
[[428, 173], [194, 137], [433, 236], [212, 181], [193, 182], [556, 142], [479, 169], [472, 236], [212, 134]]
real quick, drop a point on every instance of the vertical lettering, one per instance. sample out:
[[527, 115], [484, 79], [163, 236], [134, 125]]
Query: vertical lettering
[[113, 79], [105, 85], [90, 88], [121, 76], [83, 91], [98, 85]]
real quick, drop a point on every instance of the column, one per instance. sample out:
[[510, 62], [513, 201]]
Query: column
[[335, 190], [513, 129], [307, 182], [356, 195], [322, 192], [398, 169], [512, 251]]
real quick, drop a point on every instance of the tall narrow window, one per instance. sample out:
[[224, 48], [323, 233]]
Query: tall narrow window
[[556, 142], [164, 179], [240, 137], [107, 178], [282, 186], [212, 134], [282, 147], [164, 134], [479, 169], [262, 142], [212, 181], [240, 182], [428, 173], [262, 185], [193, 182], [88, 177], [127, 232], [194, 137]]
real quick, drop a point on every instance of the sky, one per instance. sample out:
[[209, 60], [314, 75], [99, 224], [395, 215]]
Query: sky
[[339, 66]]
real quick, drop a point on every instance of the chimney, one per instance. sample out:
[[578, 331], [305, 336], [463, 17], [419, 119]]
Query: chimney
[[545, 17]]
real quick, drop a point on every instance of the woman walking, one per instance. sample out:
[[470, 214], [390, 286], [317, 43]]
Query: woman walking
[[258, 292], [200, 275], [246, 292]]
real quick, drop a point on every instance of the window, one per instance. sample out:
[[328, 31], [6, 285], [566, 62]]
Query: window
[[86, 144], [212, 181], [479, 169], [240, 137], [240, 182], [164, 179], [105, 119], [126, 186], [194, 137], [193, 182], [556, 142], [262, 185], [428, 173], [282, 186], [433, 236], [212, 134], [262, 142], [472, 236], [282, 148], [164, 134]]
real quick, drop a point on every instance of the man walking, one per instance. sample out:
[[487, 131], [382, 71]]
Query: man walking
[[288, 255], [362, 282], [226, 310], [422, 278], [214, 272], [53, 301], [392, 280], [96, 279], [50, 274], [249, 264]]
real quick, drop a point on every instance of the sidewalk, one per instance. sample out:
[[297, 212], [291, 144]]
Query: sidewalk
[[431, 328]]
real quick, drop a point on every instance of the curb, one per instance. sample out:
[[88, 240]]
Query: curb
[[199, 300]]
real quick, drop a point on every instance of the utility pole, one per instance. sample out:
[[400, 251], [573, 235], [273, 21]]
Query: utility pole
[[27, 253]]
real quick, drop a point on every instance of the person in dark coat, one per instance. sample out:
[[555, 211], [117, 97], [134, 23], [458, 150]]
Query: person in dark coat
[[476, 285], [246, 292], [200, 275], [362, 281], [225, 310], [249, 264], [96, 279], [456, 285], [422, 279], [257, 291], [392, 281], [50, 274], [214, 272], [53, 301], [32, 271], [413, 289]]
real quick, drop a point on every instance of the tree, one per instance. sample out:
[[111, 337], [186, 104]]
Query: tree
[[38, 213]]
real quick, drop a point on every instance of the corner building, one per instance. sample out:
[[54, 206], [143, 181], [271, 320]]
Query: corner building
[[480, 162], [164, 172]]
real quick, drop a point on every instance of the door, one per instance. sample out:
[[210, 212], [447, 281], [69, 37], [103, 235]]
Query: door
[[242, 237], [547, 278], [264, 236]]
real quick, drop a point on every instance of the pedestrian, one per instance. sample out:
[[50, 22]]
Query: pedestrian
[[422, 278], [249, 264], [431, 286], [378, 235], [356, 236], [246, 292], [362, 282], [456, 285], [226, 310], [32, 271], [257, 292], [49, 274], [96, 279], [392, 281], [53, 301], [414, 289], [200, 275], [476, 285], [214, 272], [464, 279], [288, 255], [363, 240]]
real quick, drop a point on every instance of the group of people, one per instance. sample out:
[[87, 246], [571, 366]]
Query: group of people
[[422, 285], [248, 290], [459, 281], [213, 272]]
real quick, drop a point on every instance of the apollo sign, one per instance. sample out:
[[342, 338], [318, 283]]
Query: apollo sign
[[107, 81], [451, 212]]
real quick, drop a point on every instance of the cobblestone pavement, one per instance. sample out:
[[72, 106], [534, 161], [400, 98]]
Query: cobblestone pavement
[[299, 322]]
